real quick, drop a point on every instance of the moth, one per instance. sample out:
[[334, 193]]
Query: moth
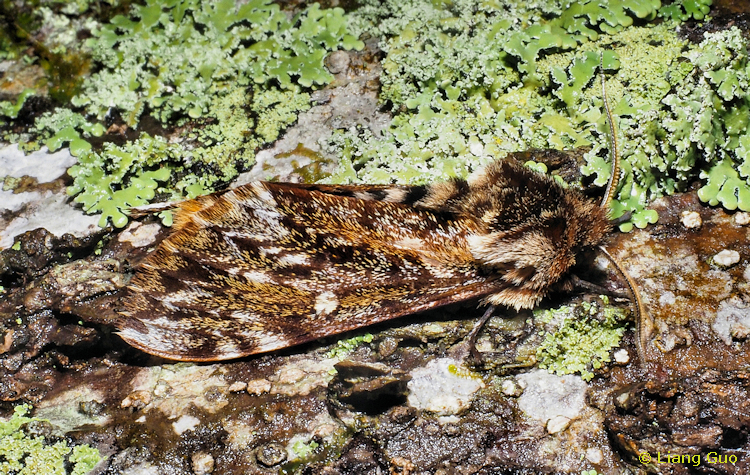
[[267, 265], [271, 265]]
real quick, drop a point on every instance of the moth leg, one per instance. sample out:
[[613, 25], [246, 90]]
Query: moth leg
[[472, 338], [467, 348], [622, 219]]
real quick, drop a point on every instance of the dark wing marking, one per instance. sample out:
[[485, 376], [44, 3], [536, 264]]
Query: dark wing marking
[[268, 266]]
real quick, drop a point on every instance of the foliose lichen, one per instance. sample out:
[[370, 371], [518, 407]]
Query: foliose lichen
[[230, 77], [22, 453], [9, 110], [119, 178], [579, 339], [692, 126], [172, 56], [470, 81]]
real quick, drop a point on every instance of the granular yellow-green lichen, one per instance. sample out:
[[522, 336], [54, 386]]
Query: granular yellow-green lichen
[[580, 339], [24, 454], [303, 449]]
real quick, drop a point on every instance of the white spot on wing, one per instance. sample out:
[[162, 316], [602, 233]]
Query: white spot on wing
[[364, 195], [294, 259], [415, 244], [257, 277], [326, 303], [262, 193]]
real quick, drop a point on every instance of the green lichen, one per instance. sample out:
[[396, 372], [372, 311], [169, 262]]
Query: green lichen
[[461, 101], [580, 339], [692, 124], [25, 454], [232, 77], [685, 9], [170, 57], [303, 449], [10, 110], [63, 126], [681, 110], [118, 178], [344, 347], [468, 81], [607, 16]]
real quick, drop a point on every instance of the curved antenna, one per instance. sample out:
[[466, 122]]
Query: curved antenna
[[609, 192], [644, 326]]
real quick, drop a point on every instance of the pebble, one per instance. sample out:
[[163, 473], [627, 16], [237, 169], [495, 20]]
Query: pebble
[[691, 219], [727, 258], [622, 356], [741, 218], [203, 463], [237, 386], [594, 456], [337, 62], [512, 388], [557, 424]]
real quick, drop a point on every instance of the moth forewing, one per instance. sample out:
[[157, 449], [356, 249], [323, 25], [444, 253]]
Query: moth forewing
[[271, 265], [268, 266]]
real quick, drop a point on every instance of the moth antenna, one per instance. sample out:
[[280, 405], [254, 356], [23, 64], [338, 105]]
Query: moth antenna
[[614, 151], [643, 324]]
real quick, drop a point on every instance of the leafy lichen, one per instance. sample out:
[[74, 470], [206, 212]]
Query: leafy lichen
[[691, 124], [25, 454], [230, 77], [468, 81], [63, 126], [685, 9], [172, 56], [459, 101], [9, 110], [119, 178]]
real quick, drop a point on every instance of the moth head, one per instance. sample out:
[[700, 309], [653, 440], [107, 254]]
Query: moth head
[[541, 250], [533, 231]]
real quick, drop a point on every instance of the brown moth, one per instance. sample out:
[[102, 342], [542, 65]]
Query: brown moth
[[271, 265]]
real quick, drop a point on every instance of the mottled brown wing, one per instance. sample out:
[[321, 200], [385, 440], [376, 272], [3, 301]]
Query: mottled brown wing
[[268, 266]]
